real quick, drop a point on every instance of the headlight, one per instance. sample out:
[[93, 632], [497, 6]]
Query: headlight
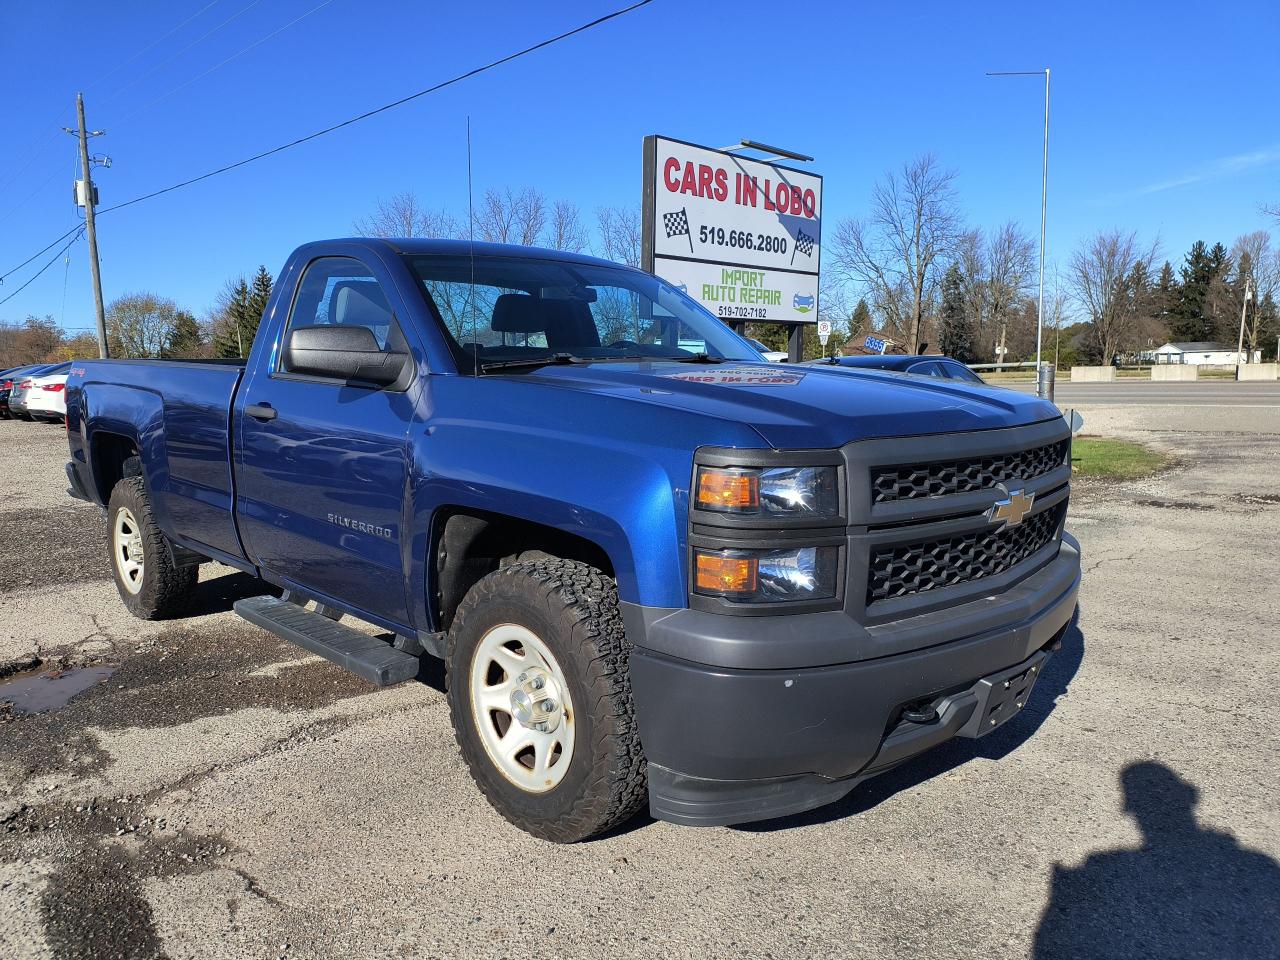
[[781, 492], [766, 576]]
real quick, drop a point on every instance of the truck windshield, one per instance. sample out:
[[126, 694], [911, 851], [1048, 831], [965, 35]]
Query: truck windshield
[[532, 309]]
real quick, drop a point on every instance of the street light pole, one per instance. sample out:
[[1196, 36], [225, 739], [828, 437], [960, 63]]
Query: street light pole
[[1041, 385]]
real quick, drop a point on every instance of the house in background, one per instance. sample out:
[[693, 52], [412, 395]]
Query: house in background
[[1202, 352]]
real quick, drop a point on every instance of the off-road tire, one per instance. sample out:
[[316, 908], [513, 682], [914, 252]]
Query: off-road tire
[[573, 609], [166, 588]]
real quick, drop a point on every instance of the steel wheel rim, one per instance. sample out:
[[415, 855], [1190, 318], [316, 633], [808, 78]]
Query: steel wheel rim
[[508, 663], [126, 550]]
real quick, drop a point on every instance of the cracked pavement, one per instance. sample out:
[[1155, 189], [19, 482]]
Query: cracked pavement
[[222, 794]]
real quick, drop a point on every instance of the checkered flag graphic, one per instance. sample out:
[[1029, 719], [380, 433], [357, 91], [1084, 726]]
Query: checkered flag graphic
[[677, 225], [804, 244]]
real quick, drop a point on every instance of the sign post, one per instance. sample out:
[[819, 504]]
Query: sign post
[[743, 237], [824, 334]]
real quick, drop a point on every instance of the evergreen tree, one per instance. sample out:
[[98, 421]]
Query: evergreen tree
[[259, 294], [1165, 297], [185, 339], [955, 333], [1191, 319], [232, 338], [860, 320]]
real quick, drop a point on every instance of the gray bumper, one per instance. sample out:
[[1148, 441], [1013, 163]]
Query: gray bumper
[[729, 742]]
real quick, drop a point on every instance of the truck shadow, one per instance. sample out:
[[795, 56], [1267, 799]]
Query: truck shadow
[[219, 594], [1054, 684]]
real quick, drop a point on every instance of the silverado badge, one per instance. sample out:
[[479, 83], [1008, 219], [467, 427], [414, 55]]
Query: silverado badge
[[1012, 509]]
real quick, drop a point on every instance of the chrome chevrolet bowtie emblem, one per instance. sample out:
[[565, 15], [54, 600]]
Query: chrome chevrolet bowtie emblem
[[1012, 509]]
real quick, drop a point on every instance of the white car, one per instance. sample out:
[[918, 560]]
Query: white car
[[42, 397], [773, 356]]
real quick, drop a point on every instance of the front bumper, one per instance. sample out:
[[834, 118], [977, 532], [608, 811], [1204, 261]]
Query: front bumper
[[728, 744]]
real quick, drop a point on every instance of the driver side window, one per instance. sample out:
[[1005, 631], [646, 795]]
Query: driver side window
[[341, 291]]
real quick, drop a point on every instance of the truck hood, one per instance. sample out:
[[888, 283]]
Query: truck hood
[[795, 407]]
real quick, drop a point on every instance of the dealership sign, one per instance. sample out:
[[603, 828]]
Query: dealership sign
[[742, 237]]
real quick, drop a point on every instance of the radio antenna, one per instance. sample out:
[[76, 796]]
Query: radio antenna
[[471, 234]]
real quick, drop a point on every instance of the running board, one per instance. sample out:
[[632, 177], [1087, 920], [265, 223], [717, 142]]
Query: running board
[[366, 656]]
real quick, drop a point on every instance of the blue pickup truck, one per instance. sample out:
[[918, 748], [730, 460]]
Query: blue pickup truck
[[659, 568]]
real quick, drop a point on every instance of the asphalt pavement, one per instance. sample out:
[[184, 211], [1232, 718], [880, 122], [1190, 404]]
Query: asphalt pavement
[[1206, 393], [211, 792]]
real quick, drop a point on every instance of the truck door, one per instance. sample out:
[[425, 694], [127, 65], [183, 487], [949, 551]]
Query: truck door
[[323, 463]]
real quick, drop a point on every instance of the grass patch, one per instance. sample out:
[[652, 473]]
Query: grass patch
[[1114, 459]]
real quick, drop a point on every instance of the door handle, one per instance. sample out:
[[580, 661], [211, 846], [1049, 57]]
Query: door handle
[[261, 411]]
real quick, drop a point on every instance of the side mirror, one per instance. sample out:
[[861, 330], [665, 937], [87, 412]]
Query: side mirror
[[341, 352]]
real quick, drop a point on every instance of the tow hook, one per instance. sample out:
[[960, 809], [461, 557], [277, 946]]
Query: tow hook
[[921, 712]]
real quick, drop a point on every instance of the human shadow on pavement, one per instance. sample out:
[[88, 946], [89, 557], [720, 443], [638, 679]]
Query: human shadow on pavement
[[1053, 685], [1185, 892]]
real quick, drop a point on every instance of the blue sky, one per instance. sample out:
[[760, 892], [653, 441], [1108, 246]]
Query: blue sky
[[1163, 116]]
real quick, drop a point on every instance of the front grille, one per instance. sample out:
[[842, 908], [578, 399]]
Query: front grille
[[899, 571], [945, 477]]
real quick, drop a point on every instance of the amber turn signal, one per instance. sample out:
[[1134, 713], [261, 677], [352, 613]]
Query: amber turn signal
[[728, 490], [720, 574]]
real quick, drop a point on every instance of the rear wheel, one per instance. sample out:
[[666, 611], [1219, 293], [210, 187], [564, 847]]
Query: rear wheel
[[150, 584], [540, 697]]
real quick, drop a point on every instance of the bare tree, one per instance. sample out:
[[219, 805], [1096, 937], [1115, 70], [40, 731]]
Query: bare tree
[[620, 232], [899, 251], [1011, 262], [1259, 264], [970, 256], [1102, 276], [404, 216], [505, 216], [140, 324], [567, 232]]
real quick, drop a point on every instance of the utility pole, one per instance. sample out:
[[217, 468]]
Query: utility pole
[[89, 201]]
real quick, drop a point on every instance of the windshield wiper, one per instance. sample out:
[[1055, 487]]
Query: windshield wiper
[[531, 362]]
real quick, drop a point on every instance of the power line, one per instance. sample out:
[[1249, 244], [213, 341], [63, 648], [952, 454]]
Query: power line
[[154, 43], [223, 63], [385, 107], [39, 252], [44, 144], [337, 126], [169, 59], [78, 230]]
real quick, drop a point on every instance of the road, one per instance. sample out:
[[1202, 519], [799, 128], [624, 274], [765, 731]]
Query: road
[[215, 793], [1208, 393]]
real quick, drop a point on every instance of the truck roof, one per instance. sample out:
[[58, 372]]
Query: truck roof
[[462, 248]]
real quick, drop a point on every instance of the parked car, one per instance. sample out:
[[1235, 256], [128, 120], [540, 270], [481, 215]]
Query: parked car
[[6, 387], [46, 397], [734, 588], [19, 384], [773, 356], [922, 366]]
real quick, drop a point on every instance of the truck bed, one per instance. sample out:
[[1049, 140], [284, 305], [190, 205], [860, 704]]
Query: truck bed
[[178, 415]]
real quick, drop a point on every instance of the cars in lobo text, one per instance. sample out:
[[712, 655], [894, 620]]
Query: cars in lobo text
[[656, 575]]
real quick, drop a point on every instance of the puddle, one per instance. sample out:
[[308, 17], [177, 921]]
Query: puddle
[[49, 689], [1174, 504]]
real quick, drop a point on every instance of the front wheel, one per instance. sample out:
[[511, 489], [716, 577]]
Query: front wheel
[[540, 697], [150, 584]]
